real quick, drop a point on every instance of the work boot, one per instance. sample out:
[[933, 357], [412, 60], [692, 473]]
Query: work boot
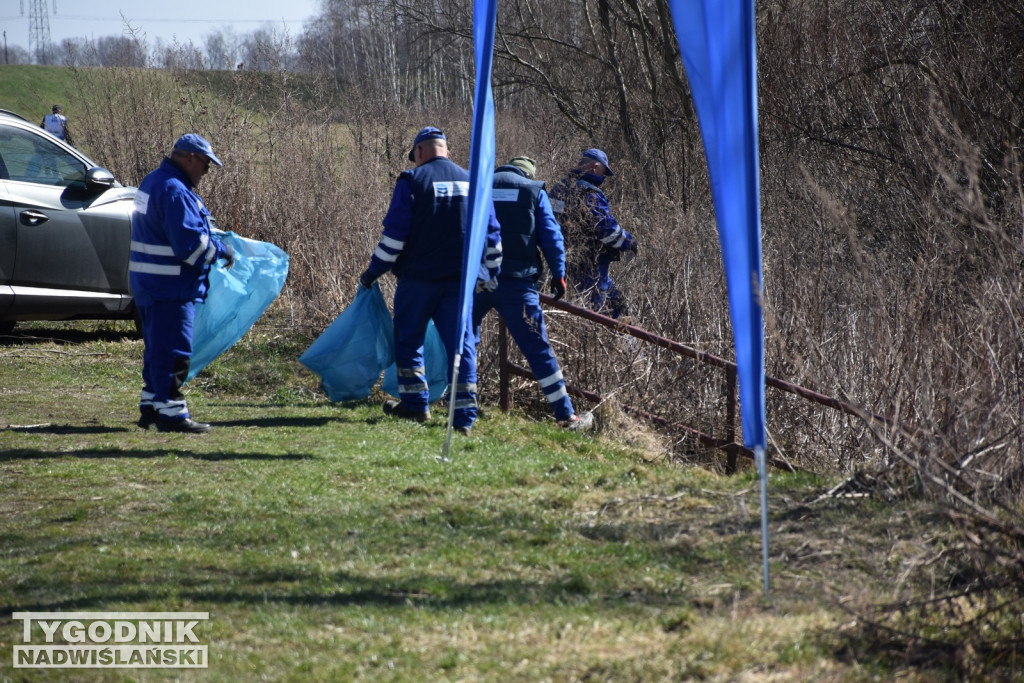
[[578, 423], [147, 417], [187, 426], [397, 409], [464, 430]]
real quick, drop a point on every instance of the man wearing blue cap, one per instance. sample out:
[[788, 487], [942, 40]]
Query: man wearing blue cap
[[172, 251], [594, 238], [422, 244]]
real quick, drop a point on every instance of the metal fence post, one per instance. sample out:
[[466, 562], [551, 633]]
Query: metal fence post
[[730, 417], [503, 374]]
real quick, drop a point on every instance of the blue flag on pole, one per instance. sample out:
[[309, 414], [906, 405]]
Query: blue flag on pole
[[718, 45], [481, 166], [717, 42]]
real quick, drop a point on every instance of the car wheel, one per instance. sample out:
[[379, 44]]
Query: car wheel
[[7, 326]]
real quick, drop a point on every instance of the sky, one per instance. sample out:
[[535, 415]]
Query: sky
[[183, 20]]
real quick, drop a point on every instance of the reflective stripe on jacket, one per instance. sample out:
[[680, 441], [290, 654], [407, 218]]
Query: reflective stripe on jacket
[[424, 228], [590, 229], [172, 247]]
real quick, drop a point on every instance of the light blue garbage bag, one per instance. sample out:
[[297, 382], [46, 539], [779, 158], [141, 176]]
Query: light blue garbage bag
[[435, 364], [236, 298], [352, 352]]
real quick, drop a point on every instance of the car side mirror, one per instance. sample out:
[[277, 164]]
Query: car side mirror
[[99, 179]]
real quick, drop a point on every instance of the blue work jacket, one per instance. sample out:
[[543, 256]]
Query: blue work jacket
[[527, 221], [172, 247], [424, 228]]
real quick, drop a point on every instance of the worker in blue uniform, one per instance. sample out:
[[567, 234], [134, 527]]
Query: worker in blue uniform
[[527, 222], [172, 251], [594, 238], [422, 244]]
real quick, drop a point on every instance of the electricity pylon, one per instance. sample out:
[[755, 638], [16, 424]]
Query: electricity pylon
[[39, 31]]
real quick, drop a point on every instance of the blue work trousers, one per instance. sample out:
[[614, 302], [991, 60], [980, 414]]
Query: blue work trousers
[[517, 302], [417, 302], [597, 285], [167, 335]]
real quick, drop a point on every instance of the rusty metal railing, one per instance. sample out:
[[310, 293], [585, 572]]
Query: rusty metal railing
[[728, 442]]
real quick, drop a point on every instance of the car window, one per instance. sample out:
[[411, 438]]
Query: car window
[[32, 158]]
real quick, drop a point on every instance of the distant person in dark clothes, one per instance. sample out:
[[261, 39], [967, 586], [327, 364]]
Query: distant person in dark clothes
[[172, 252], [56, 124], [594, 238]]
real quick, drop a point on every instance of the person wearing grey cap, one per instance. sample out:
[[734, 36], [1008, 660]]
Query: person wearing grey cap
[[172, 251], [594, 238], [528, 223]]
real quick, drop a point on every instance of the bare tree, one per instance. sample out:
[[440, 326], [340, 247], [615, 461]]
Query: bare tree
[[119, 51], [222, 50]]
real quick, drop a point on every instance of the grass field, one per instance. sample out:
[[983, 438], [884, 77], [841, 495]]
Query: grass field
[[328, 543], [31, 90]]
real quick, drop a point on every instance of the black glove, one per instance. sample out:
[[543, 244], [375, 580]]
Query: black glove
[[558, 287], [367, 279], [630, 254], [229, 257]]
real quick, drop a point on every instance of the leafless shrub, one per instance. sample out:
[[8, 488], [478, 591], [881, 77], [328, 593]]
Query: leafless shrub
[[901, 258], [893, 219]]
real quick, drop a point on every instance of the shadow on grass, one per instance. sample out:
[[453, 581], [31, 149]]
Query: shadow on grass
[[47, 428], [28, 454], [263, 422], [270, 422], [439, 592], [275, 404], [36, 336]]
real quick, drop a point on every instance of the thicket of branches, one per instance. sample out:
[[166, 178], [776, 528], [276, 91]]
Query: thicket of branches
[[893, 220]]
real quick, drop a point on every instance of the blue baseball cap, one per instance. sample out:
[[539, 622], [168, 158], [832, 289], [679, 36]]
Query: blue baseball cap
[[598, 155], [428, 133], [196, 144]]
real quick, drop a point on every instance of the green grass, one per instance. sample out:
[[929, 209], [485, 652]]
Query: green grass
[[30, 90], [327, 541]]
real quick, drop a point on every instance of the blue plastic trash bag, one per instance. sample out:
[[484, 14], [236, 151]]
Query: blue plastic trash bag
[[435, 364], [236, 298], [352, 352]]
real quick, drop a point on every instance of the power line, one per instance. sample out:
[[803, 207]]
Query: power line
[[94, 18], [132, 20]]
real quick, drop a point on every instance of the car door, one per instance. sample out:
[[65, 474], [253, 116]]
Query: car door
[[8, 242], [72, 243]]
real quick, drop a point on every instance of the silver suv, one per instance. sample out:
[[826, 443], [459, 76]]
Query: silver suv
[[65, 231]]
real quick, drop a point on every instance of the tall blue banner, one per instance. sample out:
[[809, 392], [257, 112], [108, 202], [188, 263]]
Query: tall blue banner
[[481, 163], [481, 166], [717, 42]]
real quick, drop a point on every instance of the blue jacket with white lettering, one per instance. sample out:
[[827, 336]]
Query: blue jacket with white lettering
[[172, 247], [425, 225]]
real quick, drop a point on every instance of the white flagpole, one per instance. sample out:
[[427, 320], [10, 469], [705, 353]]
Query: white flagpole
[[446, 449], [762, 473]]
